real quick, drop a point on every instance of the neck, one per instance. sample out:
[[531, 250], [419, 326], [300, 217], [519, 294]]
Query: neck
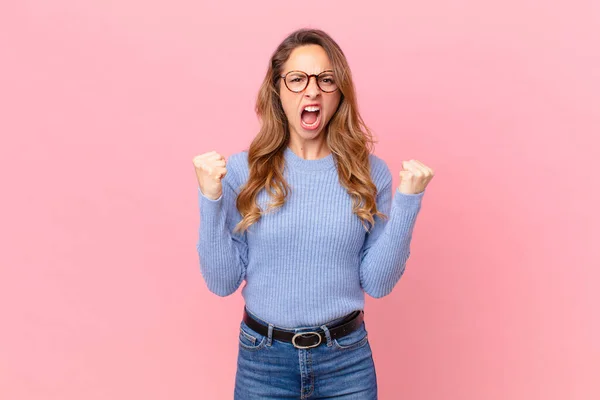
[[309, 149]]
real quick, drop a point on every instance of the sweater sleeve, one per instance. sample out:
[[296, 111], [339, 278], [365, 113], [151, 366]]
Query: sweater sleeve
[[387, 246], [223, 255]]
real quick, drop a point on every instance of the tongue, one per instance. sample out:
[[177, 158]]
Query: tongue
[[309, 117]]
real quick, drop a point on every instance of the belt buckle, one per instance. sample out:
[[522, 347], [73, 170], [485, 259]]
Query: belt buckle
[[306, 333]]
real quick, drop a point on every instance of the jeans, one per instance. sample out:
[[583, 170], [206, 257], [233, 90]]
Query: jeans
[[340, 368]]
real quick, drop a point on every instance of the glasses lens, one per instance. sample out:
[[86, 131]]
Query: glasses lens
[[326, 82], [296, 81]]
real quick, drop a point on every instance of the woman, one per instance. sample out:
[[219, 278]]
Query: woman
[[322, 236]]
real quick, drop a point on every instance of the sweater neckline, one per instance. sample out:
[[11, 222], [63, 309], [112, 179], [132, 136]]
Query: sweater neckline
[[299, 163]]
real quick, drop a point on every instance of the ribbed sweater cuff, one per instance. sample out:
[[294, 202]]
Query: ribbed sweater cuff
[[209, 209], [405, 210], [408, 201]]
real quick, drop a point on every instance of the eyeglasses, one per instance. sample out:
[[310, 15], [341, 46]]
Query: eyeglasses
[[297, 81]]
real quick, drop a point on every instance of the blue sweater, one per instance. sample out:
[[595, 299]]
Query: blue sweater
[[311, 260]]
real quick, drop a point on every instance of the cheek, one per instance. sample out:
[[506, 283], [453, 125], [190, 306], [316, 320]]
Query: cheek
[[332, 105], [288, 104]]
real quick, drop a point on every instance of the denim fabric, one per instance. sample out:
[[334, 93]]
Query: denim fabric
[[336, 369]]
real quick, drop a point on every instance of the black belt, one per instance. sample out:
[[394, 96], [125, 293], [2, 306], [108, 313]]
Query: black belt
[[304, 340]]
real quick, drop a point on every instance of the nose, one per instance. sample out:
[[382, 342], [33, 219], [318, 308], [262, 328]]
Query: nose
[[312, 90]]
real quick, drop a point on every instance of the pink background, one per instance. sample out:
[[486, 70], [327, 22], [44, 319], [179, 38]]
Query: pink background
[[103, 104]]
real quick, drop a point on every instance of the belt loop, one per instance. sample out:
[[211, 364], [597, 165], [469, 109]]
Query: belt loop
[[270, 335], [327, 335]]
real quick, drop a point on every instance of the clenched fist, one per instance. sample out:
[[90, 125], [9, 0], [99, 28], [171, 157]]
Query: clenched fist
[[414, 177], [210, 170]]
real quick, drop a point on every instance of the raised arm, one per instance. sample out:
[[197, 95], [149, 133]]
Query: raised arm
[[223, 255], [387, 246]]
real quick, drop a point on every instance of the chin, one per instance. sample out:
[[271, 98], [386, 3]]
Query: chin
[[306, 134]]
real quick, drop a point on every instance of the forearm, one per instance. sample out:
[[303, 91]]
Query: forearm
[[222, 255], [384, 263]]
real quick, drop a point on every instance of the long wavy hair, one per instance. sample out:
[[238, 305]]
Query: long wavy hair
[[348, 138]]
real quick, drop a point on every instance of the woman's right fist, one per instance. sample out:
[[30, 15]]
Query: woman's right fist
[[210, 169]]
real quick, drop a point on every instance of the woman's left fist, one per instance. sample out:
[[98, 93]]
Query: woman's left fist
[[414, 177]]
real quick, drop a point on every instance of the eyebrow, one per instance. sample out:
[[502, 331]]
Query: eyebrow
[[299, 70]]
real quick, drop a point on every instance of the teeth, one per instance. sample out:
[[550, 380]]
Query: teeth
[[312, 108]]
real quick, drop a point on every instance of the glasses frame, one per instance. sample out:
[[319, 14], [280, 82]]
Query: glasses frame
[[307, 81]]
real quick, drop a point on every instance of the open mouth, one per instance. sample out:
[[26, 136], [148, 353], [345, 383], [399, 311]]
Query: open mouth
[[310, 118]]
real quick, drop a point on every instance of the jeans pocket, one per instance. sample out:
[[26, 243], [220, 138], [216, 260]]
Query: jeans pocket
[[250, 339], [354, 340]]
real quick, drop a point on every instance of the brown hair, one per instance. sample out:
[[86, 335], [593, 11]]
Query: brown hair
[[347, 136]]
